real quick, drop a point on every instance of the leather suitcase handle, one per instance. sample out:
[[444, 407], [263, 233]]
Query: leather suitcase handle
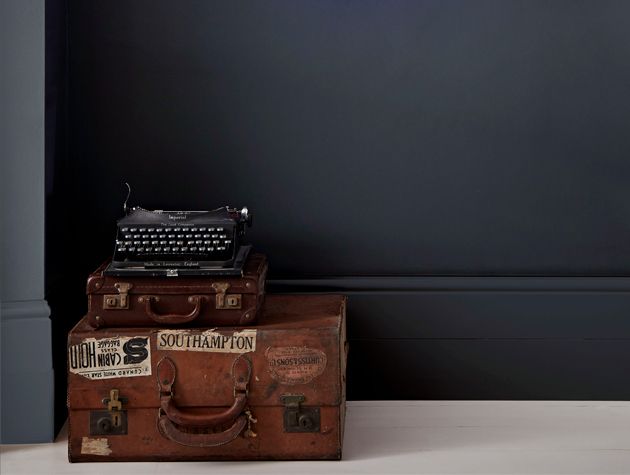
[[172, 318], [168, 430], [170, 414], [189, 419]]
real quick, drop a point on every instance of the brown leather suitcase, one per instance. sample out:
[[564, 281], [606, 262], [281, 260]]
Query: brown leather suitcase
[[177, 301], [273, 391]]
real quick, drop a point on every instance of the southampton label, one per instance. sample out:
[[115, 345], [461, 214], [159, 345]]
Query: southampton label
[[211, 341], [118, 357], [295, 364]]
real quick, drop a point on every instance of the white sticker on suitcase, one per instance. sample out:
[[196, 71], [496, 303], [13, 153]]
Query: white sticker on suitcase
[[210, 340], [95, 446], [105, 358]]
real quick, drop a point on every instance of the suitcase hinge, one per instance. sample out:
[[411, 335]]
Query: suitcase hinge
[[298, 418], [223, 301], [113, 421], [118, 301]]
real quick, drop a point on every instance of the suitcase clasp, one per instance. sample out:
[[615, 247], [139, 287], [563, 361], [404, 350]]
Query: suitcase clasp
[[113, 421], [118, 301], [298, 418], [223, 301]]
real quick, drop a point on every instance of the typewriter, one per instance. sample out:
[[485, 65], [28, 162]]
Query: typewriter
[[173, 243]]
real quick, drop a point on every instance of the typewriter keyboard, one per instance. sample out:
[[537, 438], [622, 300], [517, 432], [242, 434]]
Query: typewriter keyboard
[[174, 243]]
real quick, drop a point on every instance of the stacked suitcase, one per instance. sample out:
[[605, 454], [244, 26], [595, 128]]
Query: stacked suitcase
[[205, 368]]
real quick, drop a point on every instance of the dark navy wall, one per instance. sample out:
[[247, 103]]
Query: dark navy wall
[[378, 141], [421, 137]]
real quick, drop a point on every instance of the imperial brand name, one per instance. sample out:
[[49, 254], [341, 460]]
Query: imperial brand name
[[241, 342]]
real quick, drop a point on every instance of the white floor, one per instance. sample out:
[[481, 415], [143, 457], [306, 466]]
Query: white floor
[[447, 437]]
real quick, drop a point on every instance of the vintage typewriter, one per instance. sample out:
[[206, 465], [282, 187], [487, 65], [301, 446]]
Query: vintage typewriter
[[172, 243]]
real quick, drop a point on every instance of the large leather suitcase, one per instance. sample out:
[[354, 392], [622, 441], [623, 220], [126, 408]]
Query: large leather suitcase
[[177, 301], [273, 391]]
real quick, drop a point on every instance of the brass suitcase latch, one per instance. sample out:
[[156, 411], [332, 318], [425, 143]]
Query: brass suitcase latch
[[119, 301], [113, 421], [223, 300], [298, 418]]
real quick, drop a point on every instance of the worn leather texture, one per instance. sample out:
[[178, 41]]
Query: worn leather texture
[[210, 402], [177, 301]]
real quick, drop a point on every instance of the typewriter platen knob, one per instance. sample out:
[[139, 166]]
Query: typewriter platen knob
[[246, 216]]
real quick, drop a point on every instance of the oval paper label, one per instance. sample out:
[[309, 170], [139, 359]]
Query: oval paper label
[[295, 364]]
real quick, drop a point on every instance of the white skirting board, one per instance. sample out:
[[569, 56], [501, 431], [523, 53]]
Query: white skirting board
[[427, 437]]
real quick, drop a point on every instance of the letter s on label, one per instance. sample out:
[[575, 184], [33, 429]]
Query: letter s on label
[[135, 350]]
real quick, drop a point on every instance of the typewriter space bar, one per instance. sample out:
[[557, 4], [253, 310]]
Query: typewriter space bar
[[171, 264]]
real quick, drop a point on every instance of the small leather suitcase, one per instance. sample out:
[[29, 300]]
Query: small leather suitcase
[[178, 301], [273, 391]]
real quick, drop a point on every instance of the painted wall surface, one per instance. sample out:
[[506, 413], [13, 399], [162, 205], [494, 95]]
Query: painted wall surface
[[420, 137], [459, 168], [26, 393]]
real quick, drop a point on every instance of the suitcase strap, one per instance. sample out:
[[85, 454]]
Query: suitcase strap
[[171, 416]]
